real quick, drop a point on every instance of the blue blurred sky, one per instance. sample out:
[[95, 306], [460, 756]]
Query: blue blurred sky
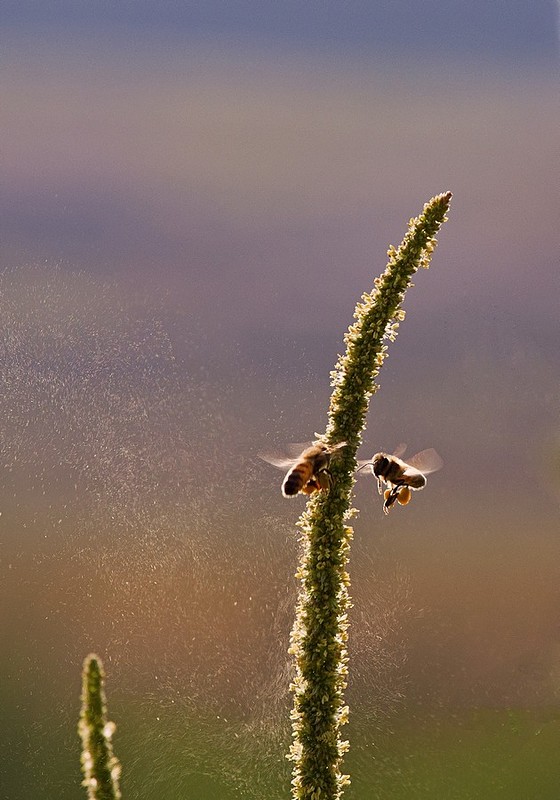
[[516, 31]]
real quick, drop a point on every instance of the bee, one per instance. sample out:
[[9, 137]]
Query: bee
[[309, 472], [401, 477]]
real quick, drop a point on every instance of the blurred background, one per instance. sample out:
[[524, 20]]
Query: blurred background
[[194, 196]]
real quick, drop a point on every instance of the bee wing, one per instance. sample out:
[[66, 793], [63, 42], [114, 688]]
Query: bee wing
[[426, 461], [295, 449], [400, 450], [276, 460], [287, 456]]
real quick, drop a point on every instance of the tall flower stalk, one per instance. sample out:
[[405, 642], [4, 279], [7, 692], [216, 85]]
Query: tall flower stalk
[[100, 767], [320, 630]]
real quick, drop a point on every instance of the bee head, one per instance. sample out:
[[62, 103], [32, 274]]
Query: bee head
[[379, 464]]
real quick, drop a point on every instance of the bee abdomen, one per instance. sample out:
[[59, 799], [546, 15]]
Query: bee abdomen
[[295, 480], [416, 481]]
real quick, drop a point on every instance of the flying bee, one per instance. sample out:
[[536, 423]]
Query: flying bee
[[401, 477], [309, 472]]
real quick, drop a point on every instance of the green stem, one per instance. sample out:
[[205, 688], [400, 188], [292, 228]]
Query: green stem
[[100, 767], [320, 630]]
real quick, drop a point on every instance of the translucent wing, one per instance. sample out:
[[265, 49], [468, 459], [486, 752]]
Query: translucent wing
[[295, 449], [287, 457], [426, 461], [277, 460]]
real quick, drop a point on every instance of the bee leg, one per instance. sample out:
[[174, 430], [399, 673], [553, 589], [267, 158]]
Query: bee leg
[[324, 480], [390, 496]]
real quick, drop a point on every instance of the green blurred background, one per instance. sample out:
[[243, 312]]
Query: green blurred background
[[193, 198]]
